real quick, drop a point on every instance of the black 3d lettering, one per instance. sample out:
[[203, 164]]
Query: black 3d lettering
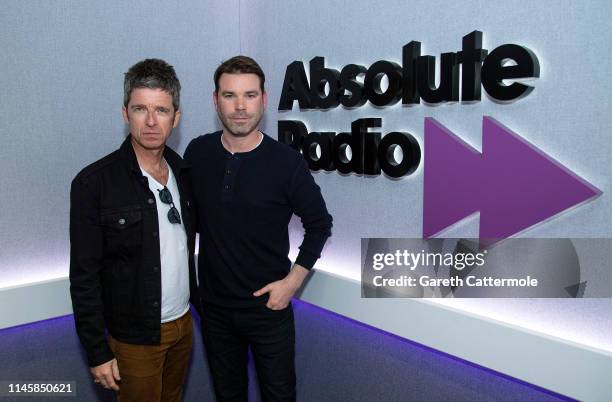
[[369, 153], [415, 78]]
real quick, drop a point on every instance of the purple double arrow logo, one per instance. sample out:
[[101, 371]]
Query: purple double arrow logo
[[513, 184]]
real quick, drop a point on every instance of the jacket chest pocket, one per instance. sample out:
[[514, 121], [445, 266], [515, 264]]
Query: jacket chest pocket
[[122, 231]]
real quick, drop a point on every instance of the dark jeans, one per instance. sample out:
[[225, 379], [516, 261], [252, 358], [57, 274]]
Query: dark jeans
[[227, 335]]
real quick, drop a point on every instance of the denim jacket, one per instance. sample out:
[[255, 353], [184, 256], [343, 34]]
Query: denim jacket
[[115, 275]]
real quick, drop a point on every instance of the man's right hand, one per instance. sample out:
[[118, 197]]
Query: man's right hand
[[106, 374]]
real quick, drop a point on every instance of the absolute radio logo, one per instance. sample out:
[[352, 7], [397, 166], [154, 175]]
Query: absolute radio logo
[[512, 183]]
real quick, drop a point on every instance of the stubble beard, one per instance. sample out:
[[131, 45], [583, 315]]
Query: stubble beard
[[236, 130]]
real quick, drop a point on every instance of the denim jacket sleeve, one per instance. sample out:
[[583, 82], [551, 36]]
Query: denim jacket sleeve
[[86, 246]]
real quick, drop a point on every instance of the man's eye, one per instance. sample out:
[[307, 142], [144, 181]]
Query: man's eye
[[162, 110], [138, 108], [227, 96]]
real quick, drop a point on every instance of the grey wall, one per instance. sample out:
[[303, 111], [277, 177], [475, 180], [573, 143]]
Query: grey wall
[[567, 116], [61, 81], [62, 92]]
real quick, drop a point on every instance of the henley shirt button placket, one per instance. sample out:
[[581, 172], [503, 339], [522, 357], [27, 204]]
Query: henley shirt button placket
[[229, 178]]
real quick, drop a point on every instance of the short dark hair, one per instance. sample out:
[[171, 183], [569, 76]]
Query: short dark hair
[[154, 74], [240, 65]]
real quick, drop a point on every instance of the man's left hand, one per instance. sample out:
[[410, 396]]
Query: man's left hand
[[281, 292]]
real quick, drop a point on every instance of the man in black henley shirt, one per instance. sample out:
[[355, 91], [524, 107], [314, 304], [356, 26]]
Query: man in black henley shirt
[[247, 186]]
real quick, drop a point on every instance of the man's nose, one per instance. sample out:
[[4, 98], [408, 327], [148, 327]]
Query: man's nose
[[151, 118], [240, 103]]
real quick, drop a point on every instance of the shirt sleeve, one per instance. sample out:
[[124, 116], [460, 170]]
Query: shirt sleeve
[[86, 245], [308, 204]]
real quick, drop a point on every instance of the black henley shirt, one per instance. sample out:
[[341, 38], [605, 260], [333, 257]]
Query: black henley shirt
[[244, 203]]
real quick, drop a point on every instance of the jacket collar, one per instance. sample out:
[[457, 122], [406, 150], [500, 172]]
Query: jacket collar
[[127, 152]]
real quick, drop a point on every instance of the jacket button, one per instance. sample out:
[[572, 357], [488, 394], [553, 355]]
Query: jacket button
[[155, 269], [155, 304], [121, 221], [151, 201], [154, 234]]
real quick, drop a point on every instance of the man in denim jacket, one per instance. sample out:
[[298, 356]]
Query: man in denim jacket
[[132, 238]]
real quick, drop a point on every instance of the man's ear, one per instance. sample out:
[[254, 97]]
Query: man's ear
[[177, 117], [124, 113]]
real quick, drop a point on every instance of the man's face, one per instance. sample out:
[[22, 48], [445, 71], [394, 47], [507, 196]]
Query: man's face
[[240, 103], [151, 117]]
